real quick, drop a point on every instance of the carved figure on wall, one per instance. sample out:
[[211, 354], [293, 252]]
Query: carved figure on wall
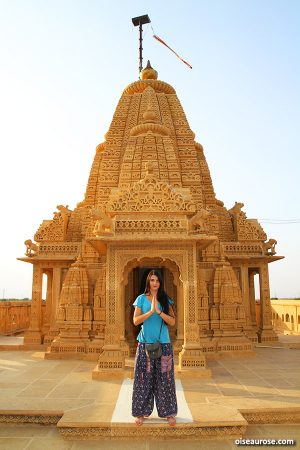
[[31, 247], [65, 211], [149, 168], [104, 224], [236, 209], [214, 313], [197, 221], [269, 247], [100, 290]]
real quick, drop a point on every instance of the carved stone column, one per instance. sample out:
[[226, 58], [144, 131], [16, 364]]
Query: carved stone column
[[56, 288], [33, 335], [48, 312], [191, 356], [112, 360], [55, 291], [265, 332], [250, 332], [252, 298]]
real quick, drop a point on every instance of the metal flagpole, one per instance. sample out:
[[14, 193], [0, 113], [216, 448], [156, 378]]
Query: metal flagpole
[[140, 21]]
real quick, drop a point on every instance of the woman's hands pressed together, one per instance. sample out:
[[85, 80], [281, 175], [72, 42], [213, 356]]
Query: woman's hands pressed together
[[139, 318], [154, 305]]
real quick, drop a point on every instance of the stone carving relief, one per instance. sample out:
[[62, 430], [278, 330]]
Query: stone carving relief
[[236, 209], [150, 195], [203, 298], [245, 229], [55, 229], [197, 222], [228, 296], [100, 295], [31, 248], [104, 225], [269, 247], [74, 293]]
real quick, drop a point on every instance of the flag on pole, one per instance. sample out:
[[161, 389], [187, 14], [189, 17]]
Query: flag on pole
[[166, 45]]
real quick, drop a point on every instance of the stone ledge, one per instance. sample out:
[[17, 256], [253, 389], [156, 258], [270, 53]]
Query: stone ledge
[[153, 432], [37, 417], [271, 415], [124, 431], [8, 347]]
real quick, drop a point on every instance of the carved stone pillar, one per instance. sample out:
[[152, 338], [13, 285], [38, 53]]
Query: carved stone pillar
[[250, 332], [48, 312], [265, 332], [112, 360], [56, 288], [202, 302], [252, 298], [179, 312], [33, 335], [191, 356], [54, 283]]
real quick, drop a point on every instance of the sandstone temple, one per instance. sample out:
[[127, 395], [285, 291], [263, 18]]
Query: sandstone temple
[[149, 203]]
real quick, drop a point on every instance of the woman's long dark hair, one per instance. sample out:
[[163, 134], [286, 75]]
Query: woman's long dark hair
[[161, 295]]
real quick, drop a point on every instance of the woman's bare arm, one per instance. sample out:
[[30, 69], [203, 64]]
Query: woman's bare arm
[[169, 318], [139, 318]]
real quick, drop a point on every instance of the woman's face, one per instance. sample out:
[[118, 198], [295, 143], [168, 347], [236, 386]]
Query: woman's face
[[154, 283]]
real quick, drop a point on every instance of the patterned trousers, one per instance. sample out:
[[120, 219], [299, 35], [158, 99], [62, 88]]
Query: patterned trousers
[[154, 379]]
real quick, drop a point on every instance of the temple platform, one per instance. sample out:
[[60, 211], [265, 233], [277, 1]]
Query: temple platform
[[243, 395]]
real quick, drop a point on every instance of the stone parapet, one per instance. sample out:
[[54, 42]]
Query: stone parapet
[[14, 316]]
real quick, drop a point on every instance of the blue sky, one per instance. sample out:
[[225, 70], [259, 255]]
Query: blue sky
[[64, 65]]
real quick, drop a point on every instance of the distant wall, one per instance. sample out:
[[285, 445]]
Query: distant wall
[[286, 316], [14, 316]]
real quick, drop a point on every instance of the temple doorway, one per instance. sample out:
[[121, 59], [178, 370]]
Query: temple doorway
[[135, 286]]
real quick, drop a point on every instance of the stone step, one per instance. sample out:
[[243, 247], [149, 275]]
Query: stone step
[[210, 422], [93, 423]]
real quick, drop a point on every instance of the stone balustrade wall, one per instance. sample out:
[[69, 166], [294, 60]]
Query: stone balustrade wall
[[286, 316], [14, 316]]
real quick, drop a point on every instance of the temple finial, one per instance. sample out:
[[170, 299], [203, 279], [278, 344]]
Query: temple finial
[[148, 73]]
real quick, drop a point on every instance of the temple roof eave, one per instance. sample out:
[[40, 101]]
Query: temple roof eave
[[253, 259], [203, 241], [45, 258]]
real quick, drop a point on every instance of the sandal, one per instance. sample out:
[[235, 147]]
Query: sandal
[[139, 421], [171, 421]]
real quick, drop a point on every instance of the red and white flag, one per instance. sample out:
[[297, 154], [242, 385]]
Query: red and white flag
[[166, 45]]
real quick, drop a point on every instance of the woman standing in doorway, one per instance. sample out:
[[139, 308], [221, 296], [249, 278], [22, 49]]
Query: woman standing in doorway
[[154, 378]]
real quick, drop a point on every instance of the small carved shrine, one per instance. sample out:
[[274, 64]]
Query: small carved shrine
[[149, 203]]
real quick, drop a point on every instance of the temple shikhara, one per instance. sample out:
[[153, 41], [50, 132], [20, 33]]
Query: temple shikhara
[[149, 203]]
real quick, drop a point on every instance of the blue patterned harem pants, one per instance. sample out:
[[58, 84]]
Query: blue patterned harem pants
[[154, 379]]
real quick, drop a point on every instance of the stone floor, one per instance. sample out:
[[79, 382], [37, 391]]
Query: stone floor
[[271, 379]]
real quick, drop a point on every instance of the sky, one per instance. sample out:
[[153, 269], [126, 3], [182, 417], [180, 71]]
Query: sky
[[64, 65]]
